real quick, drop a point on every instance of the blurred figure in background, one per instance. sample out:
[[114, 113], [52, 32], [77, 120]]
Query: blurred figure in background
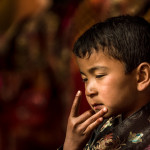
[[91, 11], [34, 74]]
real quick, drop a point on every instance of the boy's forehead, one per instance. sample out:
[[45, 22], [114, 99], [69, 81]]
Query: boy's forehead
[[95, 54], [98, 61], [96, 51], [94, 59]]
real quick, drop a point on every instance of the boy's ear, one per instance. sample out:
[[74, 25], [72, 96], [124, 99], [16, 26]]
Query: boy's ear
[[143, 76]]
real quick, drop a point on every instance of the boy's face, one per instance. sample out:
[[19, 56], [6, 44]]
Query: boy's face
[[107, 85]]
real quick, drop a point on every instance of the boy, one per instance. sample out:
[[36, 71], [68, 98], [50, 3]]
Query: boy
[[114, 62]]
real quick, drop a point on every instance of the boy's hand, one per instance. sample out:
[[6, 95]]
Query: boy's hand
[[79, 128]]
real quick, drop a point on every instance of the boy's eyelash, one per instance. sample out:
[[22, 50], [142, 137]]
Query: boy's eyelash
[[84, 80], [99, 76]]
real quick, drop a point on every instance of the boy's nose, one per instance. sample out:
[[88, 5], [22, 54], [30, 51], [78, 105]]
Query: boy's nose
[[91, 91]]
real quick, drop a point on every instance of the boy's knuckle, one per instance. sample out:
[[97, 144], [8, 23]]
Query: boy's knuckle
[[90, 128], [88, 113], [92, 119], [80, 130], [76, 128], [73, 123]]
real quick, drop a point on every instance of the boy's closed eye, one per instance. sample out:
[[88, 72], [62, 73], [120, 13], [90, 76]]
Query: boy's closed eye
[[97, 76], [84, 79], [100, 76]]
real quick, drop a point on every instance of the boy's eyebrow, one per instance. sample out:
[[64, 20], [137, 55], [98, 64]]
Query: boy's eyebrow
[[91, 70]]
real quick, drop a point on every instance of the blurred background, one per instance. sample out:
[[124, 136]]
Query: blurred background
[[38, 73]]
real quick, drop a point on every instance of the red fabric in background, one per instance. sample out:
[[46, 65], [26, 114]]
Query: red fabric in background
[[79, 85]]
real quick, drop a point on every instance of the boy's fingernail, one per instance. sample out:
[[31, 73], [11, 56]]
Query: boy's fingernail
[[105, 109], [78, 93]]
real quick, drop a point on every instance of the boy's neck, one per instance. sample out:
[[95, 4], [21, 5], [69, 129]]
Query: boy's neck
[[137, 107]]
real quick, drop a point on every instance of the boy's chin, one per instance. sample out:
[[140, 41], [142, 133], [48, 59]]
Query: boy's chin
[[107, 115]]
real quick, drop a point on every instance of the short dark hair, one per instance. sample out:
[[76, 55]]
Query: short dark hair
[[125, 38]]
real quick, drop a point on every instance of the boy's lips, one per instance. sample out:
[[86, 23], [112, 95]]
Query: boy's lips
[[97, 106]]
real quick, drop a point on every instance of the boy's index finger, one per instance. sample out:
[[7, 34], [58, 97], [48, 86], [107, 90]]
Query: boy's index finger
[[75, 105]]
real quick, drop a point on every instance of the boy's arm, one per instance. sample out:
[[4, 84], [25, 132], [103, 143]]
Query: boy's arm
[[79, 128]]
